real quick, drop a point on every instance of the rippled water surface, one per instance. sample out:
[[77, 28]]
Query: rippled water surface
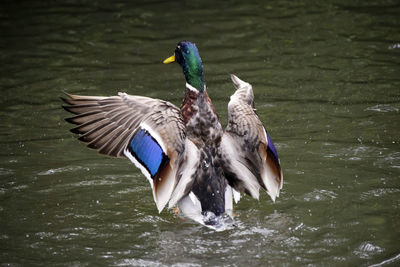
[[326, 77]]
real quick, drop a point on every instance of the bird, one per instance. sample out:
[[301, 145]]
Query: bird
[[192, 164]]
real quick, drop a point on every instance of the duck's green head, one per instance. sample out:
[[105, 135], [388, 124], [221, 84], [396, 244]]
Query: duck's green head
[[187, 55]]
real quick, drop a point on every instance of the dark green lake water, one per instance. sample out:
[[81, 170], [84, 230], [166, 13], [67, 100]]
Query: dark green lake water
[[326, 78]]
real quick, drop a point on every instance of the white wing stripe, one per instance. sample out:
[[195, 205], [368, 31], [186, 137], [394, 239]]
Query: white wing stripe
[[154, 134]]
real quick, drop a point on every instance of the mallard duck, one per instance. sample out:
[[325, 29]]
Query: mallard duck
[[189, 160]]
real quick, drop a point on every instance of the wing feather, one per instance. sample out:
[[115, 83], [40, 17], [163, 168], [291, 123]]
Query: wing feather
[[250, 160], [150, 132]]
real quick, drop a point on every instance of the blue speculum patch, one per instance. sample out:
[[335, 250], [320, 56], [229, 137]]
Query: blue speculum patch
[[272, 147], [147, 151]]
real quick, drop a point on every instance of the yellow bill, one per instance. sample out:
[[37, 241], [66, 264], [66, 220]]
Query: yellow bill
[[169, 60]]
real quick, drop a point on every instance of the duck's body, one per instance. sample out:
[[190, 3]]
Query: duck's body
[[185, 154], [204, 129]]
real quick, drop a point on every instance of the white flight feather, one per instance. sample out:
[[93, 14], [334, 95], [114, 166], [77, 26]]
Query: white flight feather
[[145, 172], [239, 168], [190, 207], [228, 201], [193, 198], [164, 192], [236, 195], [191, 158]]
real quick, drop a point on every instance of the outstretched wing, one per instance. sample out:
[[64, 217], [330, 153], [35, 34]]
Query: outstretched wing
[[150, 132], [249, 158]]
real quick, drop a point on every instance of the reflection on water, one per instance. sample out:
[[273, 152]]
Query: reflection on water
[[326, 82]]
